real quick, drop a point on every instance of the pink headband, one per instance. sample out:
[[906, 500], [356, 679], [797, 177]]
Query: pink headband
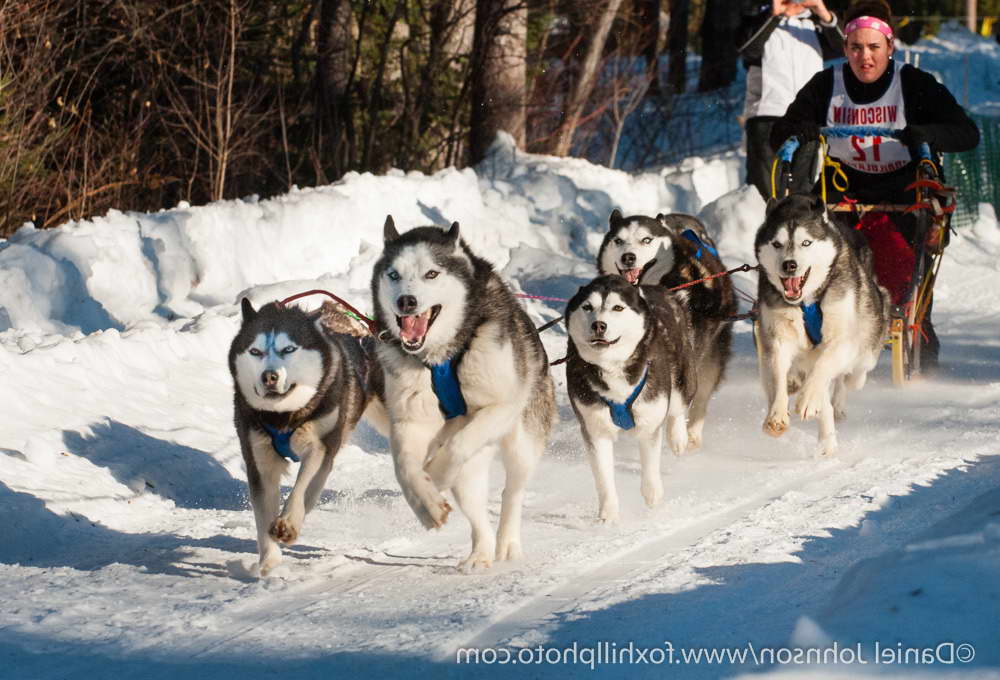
[[869, 22]]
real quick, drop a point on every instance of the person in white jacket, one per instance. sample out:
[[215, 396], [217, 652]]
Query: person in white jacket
[[782, 44]]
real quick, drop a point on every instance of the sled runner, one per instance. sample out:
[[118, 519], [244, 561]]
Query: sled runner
[[906, 268]]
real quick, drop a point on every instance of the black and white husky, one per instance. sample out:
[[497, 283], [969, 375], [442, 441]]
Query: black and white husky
[[299, 391], [630, 366], [669, 251], [465, 373], [823, 317]]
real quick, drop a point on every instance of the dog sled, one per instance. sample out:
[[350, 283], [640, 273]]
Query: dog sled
[[907, 268]]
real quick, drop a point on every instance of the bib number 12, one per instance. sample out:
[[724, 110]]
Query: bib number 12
[[861, 156]]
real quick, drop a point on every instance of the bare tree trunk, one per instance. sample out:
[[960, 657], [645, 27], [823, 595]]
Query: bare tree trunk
[[648, 12], [718, 45], [584, 84], [498, 74], [224, 105], [334, 72], [677, 44]]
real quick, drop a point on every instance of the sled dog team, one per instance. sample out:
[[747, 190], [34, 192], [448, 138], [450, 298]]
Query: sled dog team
[[460, 373]]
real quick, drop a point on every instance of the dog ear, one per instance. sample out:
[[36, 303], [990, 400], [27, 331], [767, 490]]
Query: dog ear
[[662, 220], [818, 203], [771, 203], [389, 232], [453, 232], [248, 311], [616, 217]]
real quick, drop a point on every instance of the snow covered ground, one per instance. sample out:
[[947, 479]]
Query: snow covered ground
[[127, 539]]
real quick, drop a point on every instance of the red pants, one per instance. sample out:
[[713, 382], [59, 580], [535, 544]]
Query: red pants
[[894, 259]]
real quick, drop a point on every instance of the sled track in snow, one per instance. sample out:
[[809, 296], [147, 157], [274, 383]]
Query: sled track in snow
[[363, 574], [545, 608]]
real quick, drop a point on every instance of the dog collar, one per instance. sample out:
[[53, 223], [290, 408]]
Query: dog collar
[[621, 414], [812, 317], [690, 235], [447, 389], [281, 440]]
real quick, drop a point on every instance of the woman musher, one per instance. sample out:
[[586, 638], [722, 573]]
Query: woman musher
[[874, 90]]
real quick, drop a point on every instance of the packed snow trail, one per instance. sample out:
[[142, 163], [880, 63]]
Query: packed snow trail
[[368, 586]]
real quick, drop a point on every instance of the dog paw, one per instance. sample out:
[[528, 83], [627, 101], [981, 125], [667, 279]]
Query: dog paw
[[810, 402], [509, 550], [608, 515], [475, 562], [433, 510], [775, 424], [694, 441], [284, 530], [828, 446], [652, 492], [268, 562]]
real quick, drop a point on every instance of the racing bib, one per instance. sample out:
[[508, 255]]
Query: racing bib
[[874, 155]]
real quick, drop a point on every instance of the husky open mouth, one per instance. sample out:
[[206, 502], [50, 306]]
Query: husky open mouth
[[793, 285], [633, 275], [413, 328]]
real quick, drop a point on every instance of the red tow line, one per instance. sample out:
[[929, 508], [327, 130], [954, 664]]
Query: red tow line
[[741, 268]]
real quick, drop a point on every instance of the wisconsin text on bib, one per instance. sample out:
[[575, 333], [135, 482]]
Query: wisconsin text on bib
[[865, 115]]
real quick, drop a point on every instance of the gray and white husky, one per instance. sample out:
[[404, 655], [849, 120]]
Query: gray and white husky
[[669, 251], [299, 391], [630, 366], [823, 318], [465, 373]]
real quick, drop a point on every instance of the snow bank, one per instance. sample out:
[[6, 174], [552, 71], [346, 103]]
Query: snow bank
[[122, 268]]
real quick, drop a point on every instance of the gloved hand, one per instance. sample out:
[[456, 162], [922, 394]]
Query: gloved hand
[[913, 136], [805, 130]]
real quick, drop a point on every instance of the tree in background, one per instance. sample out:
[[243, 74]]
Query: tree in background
[[718, 45], [498, 74], [139, 104], [677, 44]]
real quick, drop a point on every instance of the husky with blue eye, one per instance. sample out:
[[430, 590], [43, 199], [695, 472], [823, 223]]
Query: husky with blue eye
[[300, 389], [465, 375], [630, 367], [823, 316]]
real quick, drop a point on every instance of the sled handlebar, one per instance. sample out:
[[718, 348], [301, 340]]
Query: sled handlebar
[[792, 144]]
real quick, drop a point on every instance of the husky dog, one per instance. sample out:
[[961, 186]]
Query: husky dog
[[299, 392], [630, 366], [465, 372], [670, 251], [823, 317]]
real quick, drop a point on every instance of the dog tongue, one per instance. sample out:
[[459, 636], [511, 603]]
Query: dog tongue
[[632, 275], [793, 286], [414, 328]]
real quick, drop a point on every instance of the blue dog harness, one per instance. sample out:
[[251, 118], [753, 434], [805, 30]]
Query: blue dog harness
[[447, 389], [281, 440], [812, 317], [621, 414], [690, 235]]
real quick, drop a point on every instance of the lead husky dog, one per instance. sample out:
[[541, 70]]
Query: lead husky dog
[[669, 251], [465, 372], [823, 318], [299, 392], [629, 366]]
